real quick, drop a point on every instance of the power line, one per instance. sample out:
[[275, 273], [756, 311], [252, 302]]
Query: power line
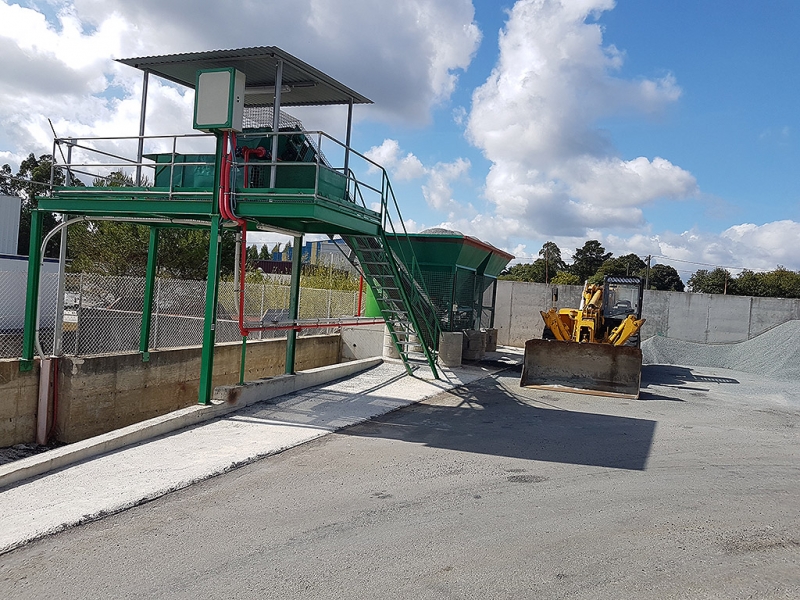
[[694, 262]]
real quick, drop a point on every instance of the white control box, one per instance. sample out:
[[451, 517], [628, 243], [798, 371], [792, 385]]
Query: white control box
[[219, 100]]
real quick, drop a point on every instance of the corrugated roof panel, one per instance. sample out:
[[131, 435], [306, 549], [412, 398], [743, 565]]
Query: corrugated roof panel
[[309, 86]]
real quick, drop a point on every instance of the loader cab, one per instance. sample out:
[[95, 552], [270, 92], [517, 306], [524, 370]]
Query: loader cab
[[622, 296]]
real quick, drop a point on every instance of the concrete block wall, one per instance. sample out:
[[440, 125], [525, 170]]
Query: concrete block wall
[[18, 400], [102, 393], [703, 318]]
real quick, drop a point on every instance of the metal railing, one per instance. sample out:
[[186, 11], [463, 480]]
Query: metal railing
[[164, 160]]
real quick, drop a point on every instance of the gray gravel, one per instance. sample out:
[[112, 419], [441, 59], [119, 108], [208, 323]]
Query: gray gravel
[[774, 354]]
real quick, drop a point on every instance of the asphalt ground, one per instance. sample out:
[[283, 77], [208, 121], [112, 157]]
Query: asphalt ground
[[486, 491]]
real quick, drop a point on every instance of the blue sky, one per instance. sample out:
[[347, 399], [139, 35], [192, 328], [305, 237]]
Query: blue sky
[[667, 129]]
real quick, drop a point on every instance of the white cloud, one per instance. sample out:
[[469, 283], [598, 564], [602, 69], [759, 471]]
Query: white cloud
[[404, 55], [57, 62], [388, 155], [745, 246], [554, 172], [437, 190]]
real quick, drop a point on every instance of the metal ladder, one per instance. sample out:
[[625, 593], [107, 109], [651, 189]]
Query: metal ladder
[[404, 304]]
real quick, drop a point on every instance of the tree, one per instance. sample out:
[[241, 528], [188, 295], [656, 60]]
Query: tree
[[264, 253], [587, 260], [781, 283], [710, 282], [539, 271], [7, 187], [121, 248], [252, 254], [553, 263], [520, 272], [749, 283], [666, 278], [565, 278], [36, 172], [628, 265]]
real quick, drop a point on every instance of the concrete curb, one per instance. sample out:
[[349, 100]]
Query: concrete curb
[[227, 399]]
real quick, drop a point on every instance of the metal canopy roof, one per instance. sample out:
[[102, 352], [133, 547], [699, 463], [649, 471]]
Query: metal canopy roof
[[307, 86]]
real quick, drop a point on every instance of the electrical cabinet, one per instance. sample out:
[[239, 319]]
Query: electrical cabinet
[[219, 100]]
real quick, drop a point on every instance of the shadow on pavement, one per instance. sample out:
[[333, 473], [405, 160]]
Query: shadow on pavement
[[671, 375], [490, 418]]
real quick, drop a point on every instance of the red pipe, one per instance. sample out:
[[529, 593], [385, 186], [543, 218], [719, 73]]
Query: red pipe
[[317, 325], [226, 209], [259, 152]]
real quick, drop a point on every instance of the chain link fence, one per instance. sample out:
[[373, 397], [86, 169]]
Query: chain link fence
[[104, 314]]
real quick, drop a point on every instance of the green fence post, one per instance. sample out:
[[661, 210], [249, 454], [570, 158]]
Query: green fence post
[[294, 302], [149, 285], [32, 292], [210, 319], [212, 288]]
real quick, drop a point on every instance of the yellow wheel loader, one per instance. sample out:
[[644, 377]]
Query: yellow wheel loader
[[592, 349]]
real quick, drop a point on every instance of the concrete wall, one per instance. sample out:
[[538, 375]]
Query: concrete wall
[[102, 393], [18, 398], [362, 341], [704, 318], [517, 308]]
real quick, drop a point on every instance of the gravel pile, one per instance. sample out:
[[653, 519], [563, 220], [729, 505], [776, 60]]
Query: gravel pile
[[775, 353]]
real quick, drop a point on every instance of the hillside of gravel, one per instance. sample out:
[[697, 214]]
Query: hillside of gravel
[[775, 353]]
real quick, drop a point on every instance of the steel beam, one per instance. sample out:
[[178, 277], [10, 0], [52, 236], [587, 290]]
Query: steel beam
[[294, 302], [32, 293], [149, 286], [212, 290]]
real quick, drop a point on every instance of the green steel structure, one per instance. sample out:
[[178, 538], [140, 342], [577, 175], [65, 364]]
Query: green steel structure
[[460, 274], [270, 175]]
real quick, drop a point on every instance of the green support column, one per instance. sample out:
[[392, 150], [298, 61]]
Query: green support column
[[149, 285], [212, 289], [210, 320], [32, 293], [294, 302]]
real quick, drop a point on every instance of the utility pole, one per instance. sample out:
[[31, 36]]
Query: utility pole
[[647, 274], [546, 275]]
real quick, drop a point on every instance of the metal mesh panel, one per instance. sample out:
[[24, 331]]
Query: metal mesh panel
[[13, 285], [464, 310], [487, 302], [440, 289], [256, 117], [104, 314], [109, 315], [178, 313]]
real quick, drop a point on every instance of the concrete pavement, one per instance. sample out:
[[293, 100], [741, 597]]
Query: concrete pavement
[[485, 491], [122, 478]]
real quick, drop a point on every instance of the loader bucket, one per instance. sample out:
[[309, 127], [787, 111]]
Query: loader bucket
[[599, 369]]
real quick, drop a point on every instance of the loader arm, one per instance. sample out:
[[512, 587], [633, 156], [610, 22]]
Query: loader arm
[[553, 321], [628, 327]]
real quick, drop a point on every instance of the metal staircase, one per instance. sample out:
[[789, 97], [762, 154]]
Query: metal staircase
[[401, 297]]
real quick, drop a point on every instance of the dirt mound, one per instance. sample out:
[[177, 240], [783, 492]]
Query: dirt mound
[[775, 353]]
